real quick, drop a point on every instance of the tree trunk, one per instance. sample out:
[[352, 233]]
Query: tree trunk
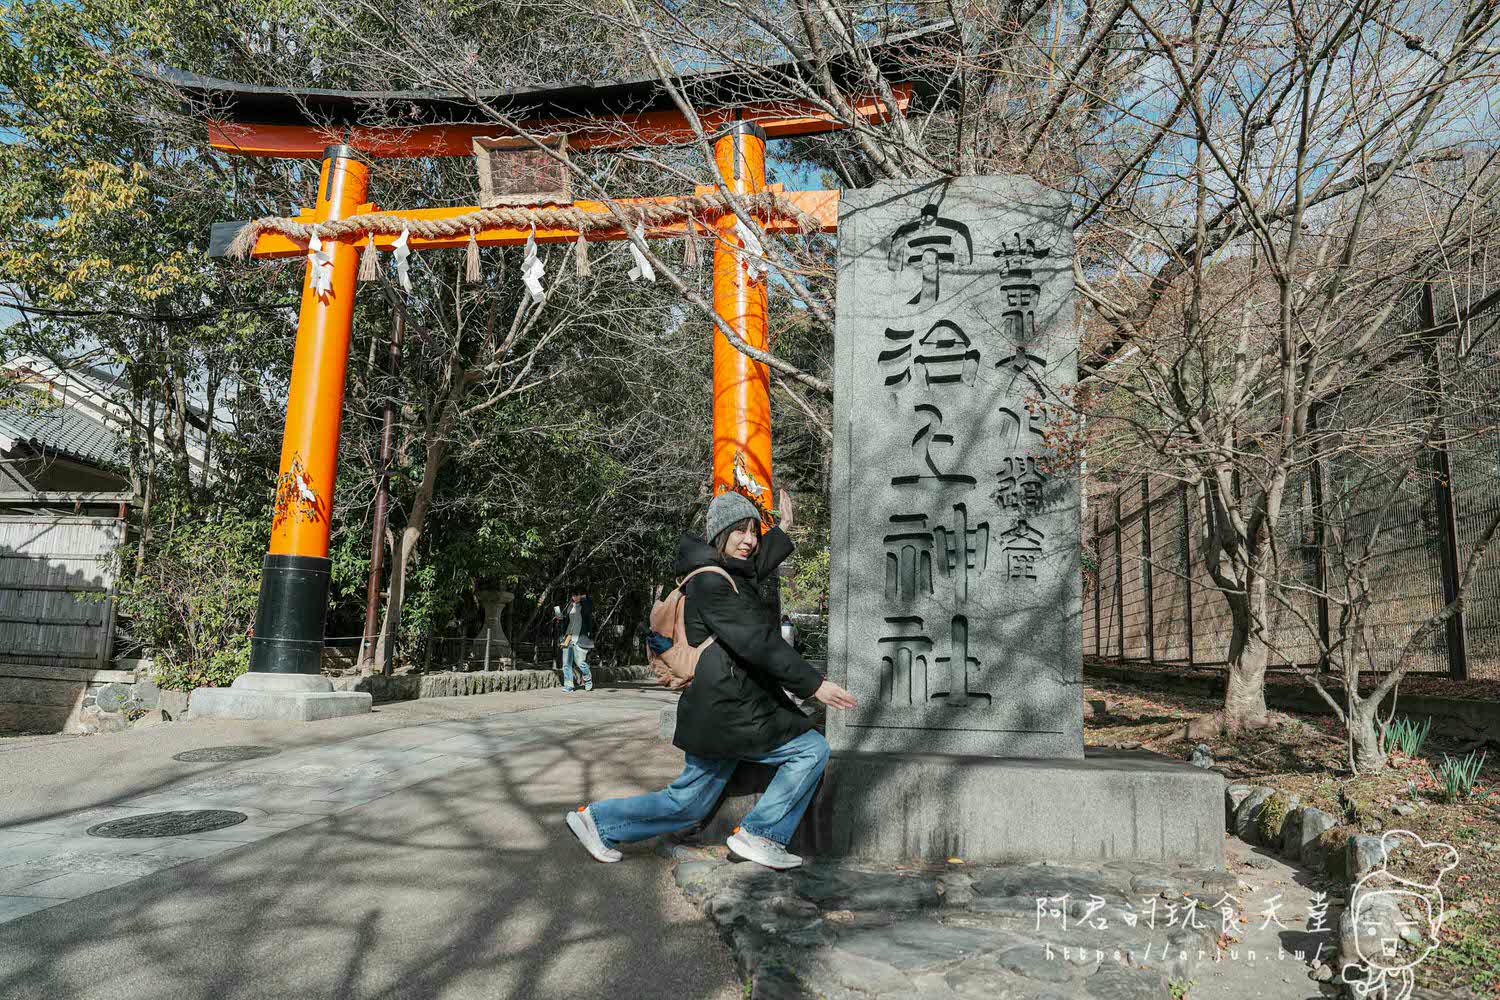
[[1245, 695], [1364, 734], [410, 535]]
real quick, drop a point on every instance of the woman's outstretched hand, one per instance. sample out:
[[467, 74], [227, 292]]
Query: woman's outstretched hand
[[784, 509], [834, 696]]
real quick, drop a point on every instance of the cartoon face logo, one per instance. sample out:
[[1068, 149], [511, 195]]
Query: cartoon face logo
[[1396, 915]]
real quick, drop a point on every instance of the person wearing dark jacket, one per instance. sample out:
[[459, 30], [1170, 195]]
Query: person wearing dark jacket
[[577, 627], [736, 707]]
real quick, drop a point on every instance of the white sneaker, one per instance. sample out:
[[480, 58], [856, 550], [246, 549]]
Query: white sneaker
[[581, 822], [762, 851]]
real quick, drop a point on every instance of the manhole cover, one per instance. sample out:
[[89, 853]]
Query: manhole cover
[[214, 755], [168, 824]]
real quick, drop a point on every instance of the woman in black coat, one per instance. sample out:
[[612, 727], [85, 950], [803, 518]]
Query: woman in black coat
[[737, 706]]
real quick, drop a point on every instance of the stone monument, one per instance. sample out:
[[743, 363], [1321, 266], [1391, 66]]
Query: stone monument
[[955, 611]]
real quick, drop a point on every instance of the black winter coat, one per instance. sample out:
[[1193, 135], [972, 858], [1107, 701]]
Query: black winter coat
[[736, 704]]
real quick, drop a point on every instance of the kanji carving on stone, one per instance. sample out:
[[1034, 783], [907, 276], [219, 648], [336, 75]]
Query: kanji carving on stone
[[1021, 485], [1024, 364], [903, 661], [1025, 424], [930, 242], [908, 557], [1022, 546], [956, 691], [962, 550], [1017, 257], [945, 354], [1018, 319], [922, 443]]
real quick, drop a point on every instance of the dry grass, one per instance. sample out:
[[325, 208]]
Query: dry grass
[[1306, 755]]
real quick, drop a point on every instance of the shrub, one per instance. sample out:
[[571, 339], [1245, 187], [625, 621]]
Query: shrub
[[1272, 815], [1457, 777], [1405, 735], [193, 601]]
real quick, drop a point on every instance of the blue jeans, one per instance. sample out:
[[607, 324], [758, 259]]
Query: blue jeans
[[572, 655], [688, 799]]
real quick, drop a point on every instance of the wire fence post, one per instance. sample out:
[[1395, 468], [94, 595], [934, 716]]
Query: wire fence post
[[1187, 570], [1149, 553], [1442, 495], [1098, 582], [1119, 584], [1320, 539]]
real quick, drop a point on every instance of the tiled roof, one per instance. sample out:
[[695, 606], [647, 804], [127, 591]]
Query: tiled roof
[[49, 427]]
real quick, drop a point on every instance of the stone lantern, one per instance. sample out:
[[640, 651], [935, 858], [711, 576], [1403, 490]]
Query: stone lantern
[[491, 646]]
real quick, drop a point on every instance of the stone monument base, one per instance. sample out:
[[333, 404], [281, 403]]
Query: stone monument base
[[1130, 805], [1112, 805], [280, 697]]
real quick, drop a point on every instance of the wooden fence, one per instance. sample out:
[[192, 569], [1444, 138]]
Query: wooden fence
[[57, 578]]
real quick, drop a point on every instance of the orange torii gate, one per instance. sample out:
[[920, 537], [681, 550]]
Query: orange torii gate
[[260, 121]]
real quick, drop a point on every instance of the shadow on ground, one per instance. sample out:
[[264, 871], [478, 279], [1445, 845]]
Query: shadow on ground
[[466, 885]]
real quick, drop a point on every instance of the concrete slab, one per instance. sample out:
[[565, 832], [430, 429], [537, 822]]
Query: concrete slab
[[75, 823], [256, 680], [21, 879], [284, 706], [47, 776], [1127, 805], [88, 848], [190, 850], [18, 906], [76, 884], [10, 856]]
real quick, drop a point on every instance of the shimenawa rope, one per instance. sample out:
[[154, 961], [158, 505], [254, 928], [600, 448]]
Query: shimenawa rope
[[769, 203]]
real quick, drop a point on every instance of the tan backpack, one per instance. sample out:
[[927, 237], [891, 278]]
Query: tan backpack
[[675, 667]]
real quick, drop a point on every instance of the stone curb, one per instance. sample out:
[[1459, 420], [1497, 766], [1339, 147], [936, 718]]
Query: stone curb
[[1313, 839], [171, 705], [453, 684]]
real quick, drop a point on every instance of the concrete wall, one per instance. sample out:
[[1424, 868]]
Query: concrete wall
[[42, 698]]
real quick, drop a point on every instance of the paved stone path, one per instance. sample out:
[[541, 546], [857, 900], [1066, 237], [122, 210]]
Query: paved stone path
[[1119, 931], [419, 852], [1284, 949], [386, 860]]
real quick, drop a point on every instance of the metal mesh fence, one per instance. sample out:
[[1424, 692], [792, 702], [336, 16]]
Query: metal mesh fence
[[1135, 620], [1408, 532], [1171, 587], [1474, 454]]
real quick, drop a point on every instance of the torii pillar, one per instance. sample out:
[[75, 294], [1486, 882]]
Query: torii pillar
[[742, 385], [285, 680]]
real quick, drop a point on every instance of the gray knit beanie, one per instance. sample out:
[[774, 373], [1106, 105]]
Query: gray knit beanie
[[726, 510]]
